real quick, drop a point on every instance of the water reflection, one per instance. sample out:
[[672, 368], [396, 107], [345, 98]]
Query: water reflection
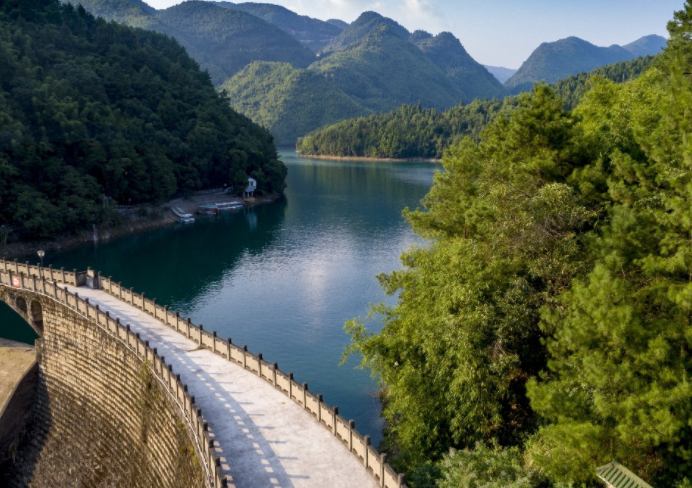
[[284, 277]]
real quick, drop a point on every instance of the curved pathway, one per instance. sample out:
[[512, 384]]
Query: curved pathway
[[264, 439]]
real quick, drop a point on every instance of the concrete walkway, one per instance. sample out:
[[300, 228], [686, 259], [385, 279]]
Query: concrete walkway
[[265, 439]]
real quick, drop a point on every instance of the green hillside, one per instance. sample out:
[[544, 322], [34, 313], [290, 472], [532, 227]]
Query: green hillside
[[221, 40], [362, 27], [91, 109], [407, 132], [413, 132], [225, 41], [473, 79], [573, 88], [288, 100], [552, 61], [383, 71], [312, 33], [134, 13]]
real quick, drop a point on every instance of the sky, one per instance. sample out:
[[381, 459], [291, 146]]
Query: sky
[[503, 32]]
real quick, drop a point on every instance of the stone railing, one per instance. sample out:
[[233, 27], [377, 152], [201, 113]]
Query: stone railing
[[36, 280], [358, 444]]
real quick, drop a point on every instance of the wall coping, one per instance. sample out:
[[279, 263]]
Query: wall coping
[[358, 444]]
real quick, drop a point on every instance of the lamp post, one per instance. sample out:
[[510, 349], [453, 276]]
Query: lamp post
[[41, 253]]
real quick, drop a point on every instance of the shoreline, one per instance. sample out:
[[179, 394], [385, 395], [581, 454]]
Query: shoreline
[[365, 158], [157, 216]]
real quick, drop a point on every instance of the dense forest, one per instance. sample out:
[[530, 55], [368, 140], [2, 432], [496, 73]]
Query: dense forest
[[414, 132], [544, 329], [92, 110]]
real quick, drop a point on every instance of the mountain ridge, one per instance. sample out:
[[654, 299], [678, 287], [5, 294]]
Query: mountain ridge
[[552, 61]]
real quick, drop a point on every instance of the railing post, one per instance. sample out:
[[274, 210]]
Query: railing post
[[244, 357], [189, 326], [335, 413], [228, 346], [401, 480], [62, 270], [201, 331], [290, 386], [383, 460], [213, 344], [305, 395], [259, 364], [319, 407], [367, 443], [351, 426], [274, 368]]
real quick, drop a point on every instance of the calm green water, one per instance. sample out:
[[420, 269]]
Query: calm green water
[[281, 278]]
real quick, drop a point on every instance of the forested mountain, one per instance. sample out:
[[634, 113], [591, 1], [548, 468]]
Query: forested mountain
[[134, 13], [473, 79], [552, 61], [414, 132], [573, 88], [222, 40], [647, 45], [407, 132], [380, 66], [542, 327], [366, 24], [502, 74], [312, 33], [90, 109], [275, 93], [382, 71]]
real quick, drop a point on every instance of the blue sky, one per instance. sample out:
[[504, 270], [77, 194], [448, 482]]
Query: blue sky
[[504, 32]]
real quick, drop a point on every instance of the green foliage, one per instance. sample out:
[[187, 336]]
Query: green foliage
[[552, 61], [573, 88], [548, 315], [617, 384], [89, 109], [289, 101], [411, 132], [408, 132], [504, 230], [484, 467]]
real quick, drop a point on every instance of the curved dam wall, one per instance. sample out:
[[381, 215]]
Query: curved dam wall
[[104, 413]]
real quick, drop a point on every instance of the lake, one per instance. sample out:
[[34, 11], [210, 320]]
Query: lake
[[281, 278]]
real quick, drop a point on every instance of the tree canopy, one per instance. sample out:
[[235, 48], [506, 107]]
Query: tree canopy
[[90, 110], [544, 329]]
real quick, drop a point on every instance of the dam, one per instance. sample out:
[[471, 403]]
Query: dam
[[132, 394]]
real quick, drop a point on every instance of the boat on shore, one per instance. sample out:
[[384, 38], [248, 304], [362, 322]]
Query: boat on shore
[[215, 208]]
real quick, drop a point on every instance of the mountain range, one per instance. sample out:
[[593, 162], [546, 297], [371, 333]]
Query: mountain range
[[552, 61], [293, 73], [373, 65]]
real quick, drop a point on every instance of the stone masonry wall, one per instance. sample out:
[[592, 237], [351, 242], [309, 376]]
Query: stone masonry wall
[[101, 419]]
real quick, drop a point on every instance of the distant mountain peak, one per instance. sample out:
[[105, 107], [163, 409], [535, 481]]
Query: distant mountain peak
[[360, 28], [552, 61]]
